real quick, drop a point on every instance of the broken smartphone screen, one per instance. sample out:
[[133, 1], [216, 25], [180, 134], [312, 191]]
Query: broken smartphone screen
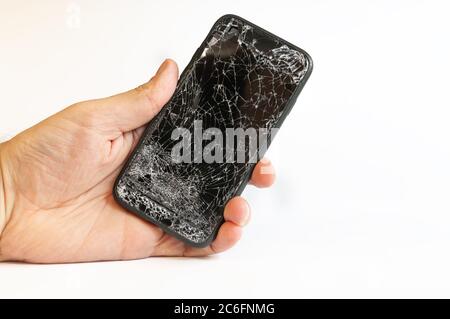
[[199, 151]]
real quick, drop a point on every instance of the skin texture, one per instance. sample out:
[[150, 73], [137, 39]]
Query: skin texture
[[57, 178]]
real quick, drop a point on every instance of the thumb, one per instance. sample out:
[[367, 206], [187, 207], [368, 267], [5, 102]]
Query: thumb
[[129, 110]]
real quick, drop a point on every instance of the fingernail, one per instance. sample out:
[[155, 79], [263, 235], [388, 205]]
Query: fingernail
[[163, 66], [266, 167], [247, 215]]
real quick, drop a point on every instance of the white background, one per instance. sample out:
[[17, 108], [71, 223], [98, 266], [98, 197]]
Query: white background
[[361, 207]]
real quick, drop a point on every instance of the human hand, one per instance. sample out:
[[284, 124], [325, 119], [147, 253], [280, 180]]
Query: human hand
[[59, 174]]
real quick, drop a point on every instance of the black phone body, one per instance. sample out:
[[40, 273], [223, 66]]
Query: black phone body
[[241, 77]]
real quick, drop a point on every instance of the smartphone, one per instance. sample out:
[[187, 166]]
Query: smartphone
[[200, 150]]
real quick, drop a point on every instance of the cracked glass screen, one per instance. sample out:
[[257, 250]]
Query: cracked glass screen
[[241, 77]]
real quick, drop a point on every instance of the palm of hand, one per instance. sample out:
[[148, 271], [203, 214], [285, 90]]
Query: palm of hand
[[61, 174]]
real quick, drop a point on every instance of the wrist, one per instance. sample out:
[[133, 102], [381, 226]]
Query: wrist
[[5, 194]]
